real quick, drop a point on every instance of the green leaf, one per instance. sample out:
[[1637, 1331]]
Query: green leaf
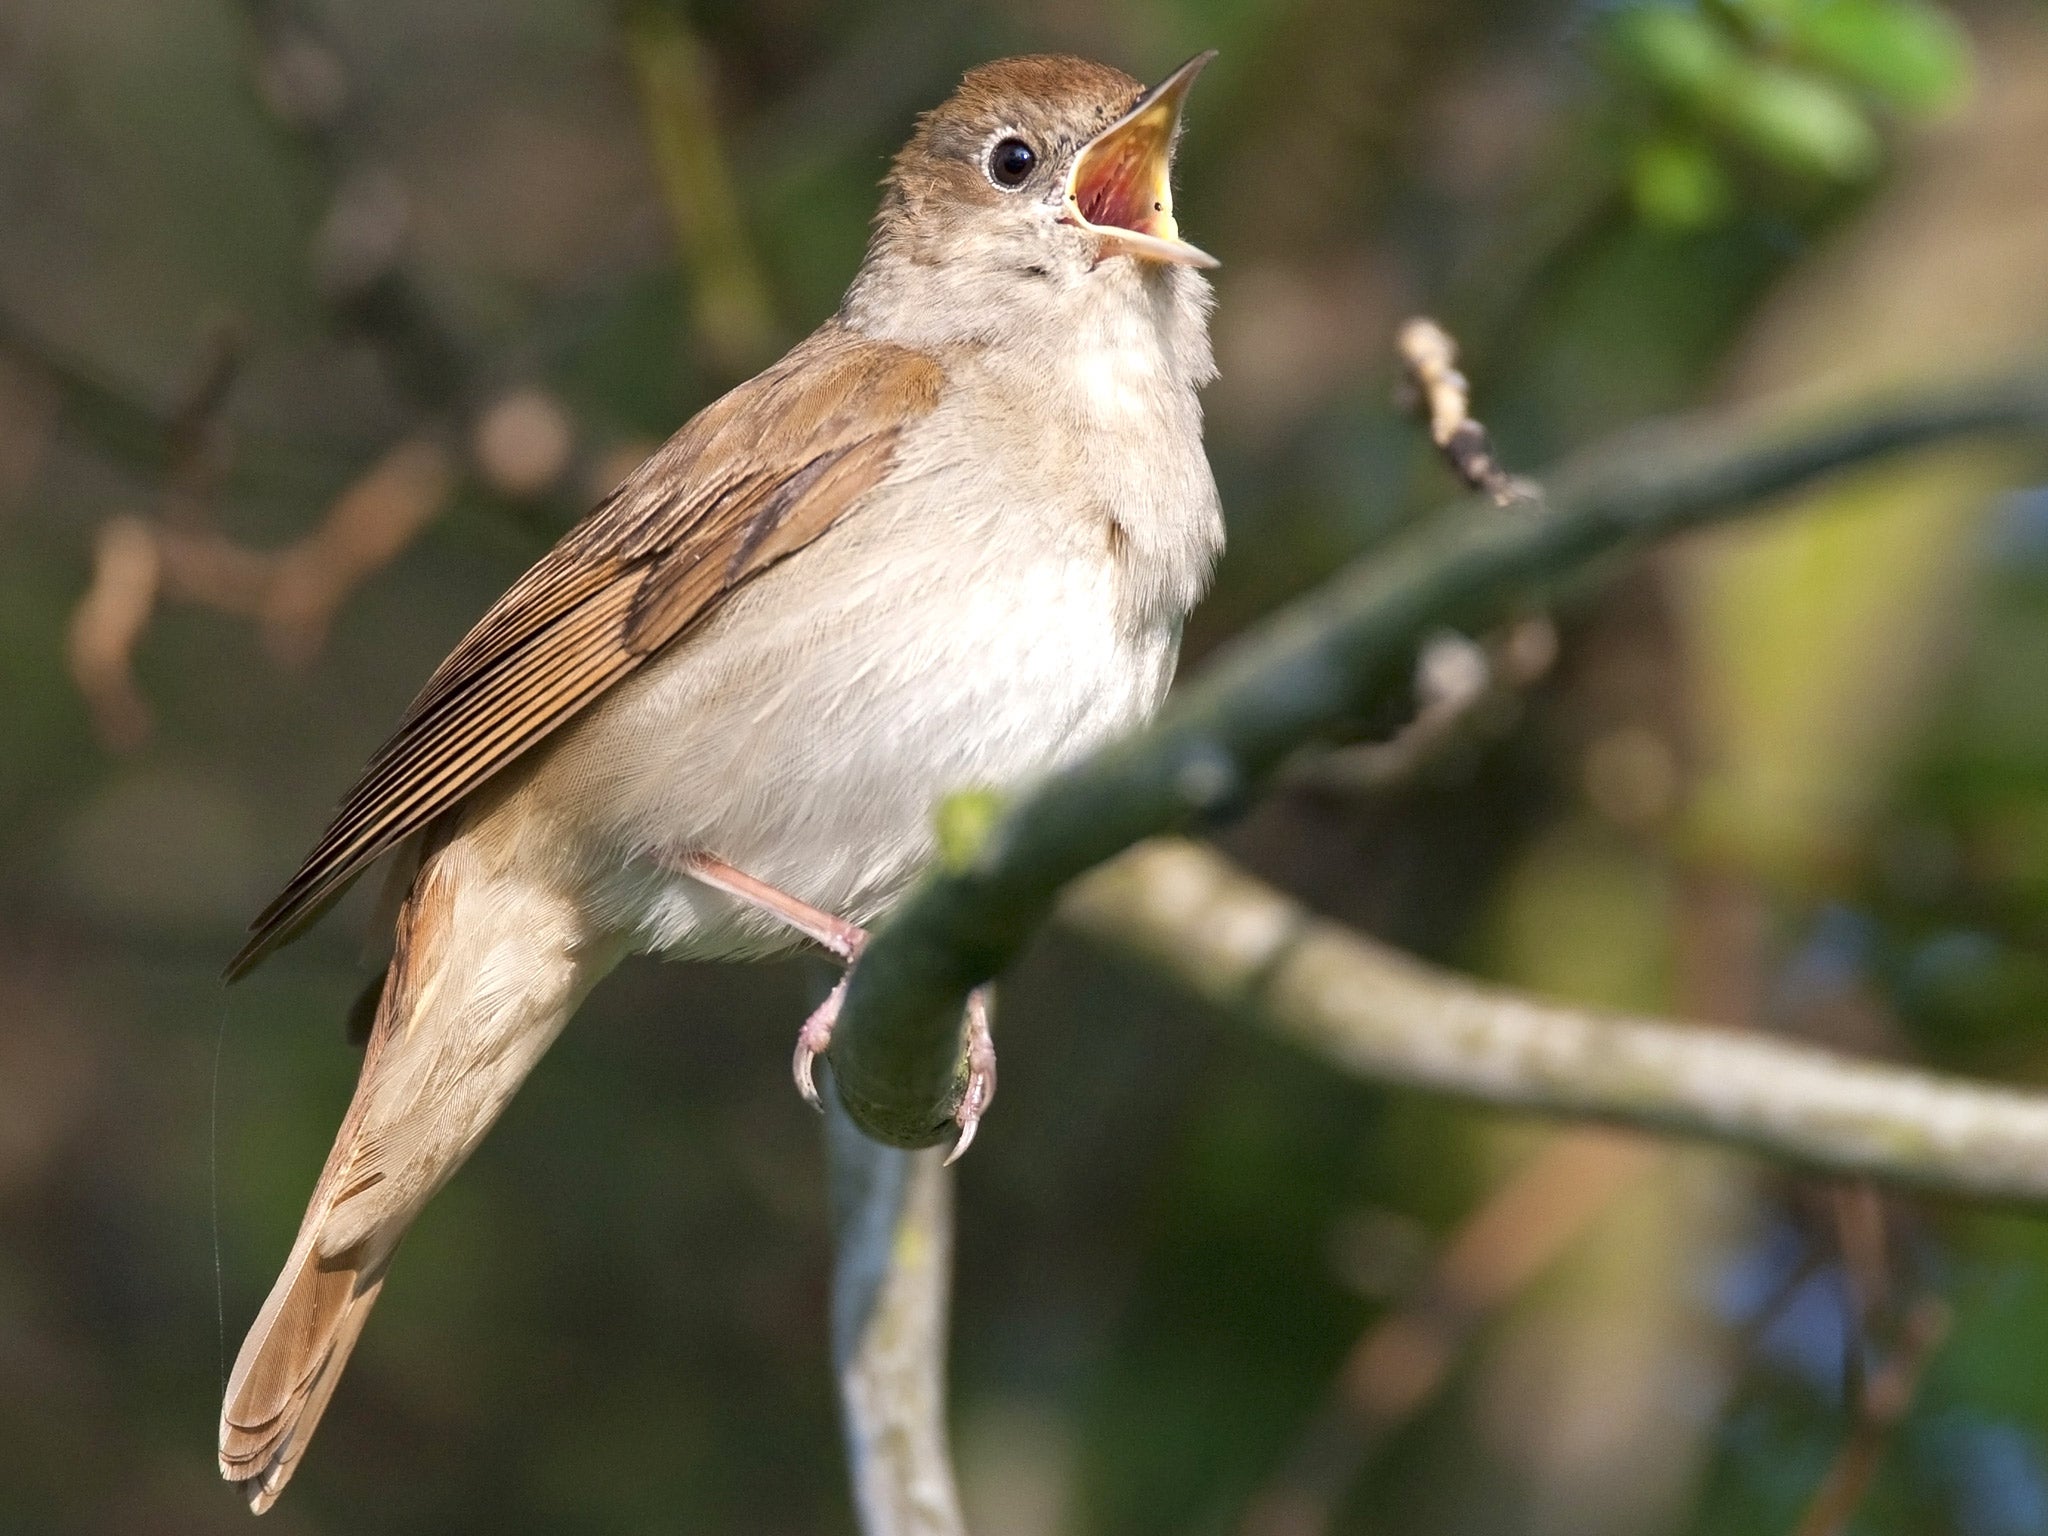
[[1679, 183], [1790, 116], [1766, 20], [1675, 49], [1799, 121], [1911, 55]]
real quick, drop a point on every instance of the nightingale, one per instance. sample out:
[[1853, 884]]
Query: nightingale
[[947, 543]]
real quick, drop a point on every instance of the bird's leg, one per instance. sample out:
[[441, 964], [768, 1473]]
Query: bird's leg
[[844, 939], [847, 940]]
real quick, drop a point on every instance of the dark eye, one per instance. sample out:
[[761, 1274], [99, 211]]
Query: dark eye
[[1010, 162]]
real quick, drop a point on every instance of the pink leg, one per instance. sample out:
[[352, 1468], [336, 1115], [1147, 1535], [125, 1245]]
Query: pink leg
[[847, 940], [842, 938]]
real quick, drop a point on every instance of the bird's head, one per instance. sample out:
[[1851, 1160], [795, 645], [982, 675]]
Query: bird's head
[[1040, 175]]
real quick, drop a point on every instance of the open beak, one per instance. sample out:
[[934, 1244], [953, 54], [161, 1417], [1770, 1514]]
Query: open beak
[[1120, 187]]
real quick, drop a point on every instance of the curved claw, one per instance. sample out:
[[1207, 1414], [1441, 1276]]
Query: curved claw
[[800, 1069], [967, 1130], [981, 1075], [812, 1041]]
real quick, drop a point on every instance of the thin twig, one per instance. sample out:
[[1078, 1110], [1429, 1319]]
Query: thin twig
[[198, 440], [1400, 1363], [1887, 1394], [1858, 1213], [1461, 684], [1430, 357], [125, 426], [1298, 677], [360, 255]]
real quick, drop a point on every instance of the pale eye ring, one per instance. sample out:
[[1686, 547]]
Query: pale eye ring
[[1010, 162]]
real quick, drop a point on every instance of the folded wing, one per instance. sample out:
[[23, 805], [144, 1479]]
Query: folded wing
[[746, 483]]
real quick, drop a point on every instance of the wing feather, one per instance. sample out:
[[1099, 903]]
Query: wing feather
[[749, 481]]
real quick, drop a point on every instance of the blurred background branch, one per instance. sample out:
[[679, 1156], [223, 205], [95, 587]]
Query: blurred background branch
[[734, 315], [1400, 1365], [293, 593], [1367, 1009]]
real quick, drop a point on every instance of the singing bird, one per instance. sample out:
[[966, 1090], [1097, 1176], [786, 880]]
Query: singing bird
[[947, 543]]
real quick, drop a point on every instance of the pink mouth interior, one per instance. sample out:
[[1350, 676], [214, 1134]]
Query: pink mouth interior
[[1112, 188]]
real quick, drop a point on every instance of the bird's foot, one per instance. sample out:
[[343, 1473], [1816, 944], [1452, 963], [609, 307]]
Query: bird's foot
[[814, 1039], [981, 1074], [835, 934], [847, 940]]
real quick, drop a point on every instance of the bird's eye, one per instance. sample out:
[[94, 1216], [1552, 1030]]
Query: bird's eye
[[1010, 162]]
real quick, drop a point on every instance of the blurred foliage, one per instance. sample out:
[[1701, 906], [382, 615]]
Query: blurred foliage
[[1802, 86], [1797, 779]]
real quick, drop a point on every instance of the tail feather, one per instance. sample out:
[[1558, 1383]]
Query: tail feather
[[288, 1369], [485, 971]]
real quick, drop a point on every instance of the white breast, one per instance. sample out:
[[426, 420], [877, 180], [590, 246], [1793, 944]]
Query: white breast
[[974, 624], [1118, 372]]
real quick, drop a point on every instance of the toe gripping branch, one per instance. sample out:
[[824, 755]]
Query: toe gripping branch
[[975, 1085]]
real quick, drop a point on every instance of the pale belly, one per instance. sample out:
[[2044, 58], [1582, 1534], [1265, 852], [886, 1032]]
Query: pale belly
[[809, 737]]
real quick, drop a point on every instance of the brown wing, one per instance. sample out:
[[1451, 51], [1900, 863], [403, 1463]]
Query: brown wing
[[750, 480]]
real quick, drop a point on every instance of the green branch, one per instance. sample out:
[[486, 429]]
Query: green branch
[[892, 1275], [1298, 678]]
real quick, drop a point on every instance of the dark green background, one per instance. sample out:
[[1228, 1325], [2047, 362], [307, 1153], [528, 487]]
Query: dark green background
[[1171, 1231]]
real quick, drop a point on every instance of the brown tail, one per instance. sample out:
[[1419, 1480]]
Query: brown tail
[[485, 972], [288, 1369]]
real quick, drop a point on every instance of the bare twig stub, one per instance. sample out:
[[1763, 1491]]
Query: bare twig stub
[[1466, 691], [1430, 360]]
